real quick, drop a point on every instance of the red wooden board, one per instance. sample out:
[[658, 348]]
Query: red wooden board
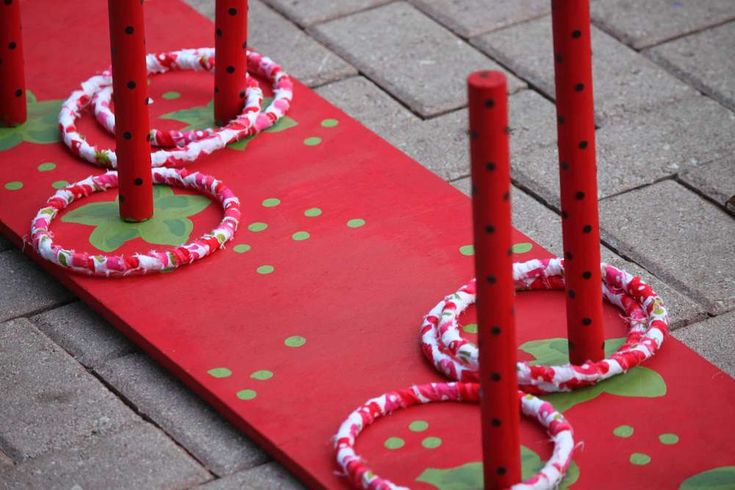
[[355, 294]]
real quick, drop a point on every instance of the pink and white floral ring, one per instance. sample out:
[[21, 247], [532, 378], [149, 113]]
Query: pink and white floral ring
[[139, 263], [362, 476], [457, 358], [185, 147]]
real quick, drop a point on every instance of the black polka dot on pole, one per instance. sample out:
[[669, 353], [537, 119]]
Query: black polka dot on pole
[[489, 229], [495, 330], [560, 119], [571, 293], [232, 11], [495, 376], [564, 165], [490, 166], [8, 2], [129, 30], [579, 195], [131, 85], [12, 45], [579, 87], [558, 57], [138, 181], [230, 69], [245, 45], [491, 279], [586, 321], [19, 92], [506, 196], [587, 229], [473, 134], [564, 214], [242, 94], [587, 275], [583, 145], [218, 32], [489, 103], [568, 255], [501, 470], [495, 422], [576, 34], [127, 135]]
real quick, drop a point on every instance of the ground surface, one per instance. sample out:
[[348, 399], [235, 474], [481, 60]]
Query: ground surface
[[664, 82]]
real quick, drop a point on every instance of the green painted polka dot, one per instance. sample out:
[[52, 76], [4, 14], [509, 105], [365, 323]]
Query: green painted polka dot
[[220, 373], [639, 459], [241, 248], [257, 226], [418, 426], [271, 202], [470, 328], [171, 95], [668, 439], [59, 184], [313, 212], [467, 250], [313, 141], [623, 431], [300, 235], [295, 341], [246, 394], [521, 248], [46, 167], [262, 375], [394, 443], [265, 269], [14, 185], [431, 442], [329, 123], [356, 223]]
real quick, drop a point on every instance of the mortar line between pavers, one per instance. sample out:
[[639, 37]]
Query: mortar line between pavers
[[275, 8], [27, 315], [701, 194]]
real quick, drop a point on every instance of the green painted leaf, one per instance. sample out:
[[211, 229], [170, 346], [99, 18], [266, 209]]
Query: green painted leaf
[[41, 127], [722, 478], [197, 117], [640, 382]]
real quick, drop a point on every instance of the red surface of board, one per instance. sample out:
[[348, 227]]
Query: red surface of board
[[305, 329]]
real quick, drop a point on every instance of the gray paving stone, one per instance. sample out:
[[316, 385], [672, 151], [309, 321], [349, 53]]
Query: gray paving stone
[[48, 400], [409, 55], [364, 101], [716, 180], [174, 408], [705, 60], [83, 334], [308, 12], [472, 17], [624, 81], [25, 288], [713, 339], [641, 149], [138, 457], [271, 476], [642, 24], [300, 55], [678, 236]]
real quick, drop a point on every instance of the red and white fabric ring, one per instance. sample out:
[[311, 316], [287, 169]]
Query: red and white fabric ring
[[457, 358], [183, 147], [362, 476], [139, 263]]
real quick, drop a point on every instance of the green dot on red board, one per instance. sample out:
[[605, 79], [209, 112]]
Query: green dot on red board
[[394, 443], [257, 226], [467, 250], [356, 223], [470, 328], [300, 235], [171, 95], [295, 341], [46, 167], [521, 248], [639, 459], [329, 123], [246, 394], [271, 202], [265, 269], [14, 185], [431, 442], [219, 373], [262, 375], [59, 184], [312, 141], [418, 426], [312, 212], [241, 248], [623, 431], [668, 439]]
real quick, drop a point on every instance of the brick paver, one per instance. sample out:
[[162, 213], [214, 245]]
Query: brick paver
[[645, 23], [407, 54], [715, 180], [699, 60], [681, 238], [307, 12], [186, 418], [270, 476], [713, 339]]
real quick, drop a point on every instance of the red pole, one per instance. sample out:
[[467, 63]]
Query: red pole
[[12, 76], [230, 42], [130, 88], [490, 155], [578, 178]]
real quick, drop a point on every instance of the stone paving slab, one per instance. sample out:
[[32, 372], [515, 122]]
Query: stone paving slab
[[308, 12], [713, 339], [678, 236], [472, 17], [83, 334], [624, 81], [645, 23], [136, 458], [640, 149], [716, 180], [699, 60], [270, 476], [409, 55], [25, 288], [274, 36], [544, 227], [174, 408], [48, 400]]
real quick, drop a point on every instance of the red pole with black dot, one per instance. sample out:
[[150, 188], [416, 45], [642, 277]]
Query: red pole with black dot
[[578, 178], [130, 88], [13, 109], [230, 69], [490, 156]]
